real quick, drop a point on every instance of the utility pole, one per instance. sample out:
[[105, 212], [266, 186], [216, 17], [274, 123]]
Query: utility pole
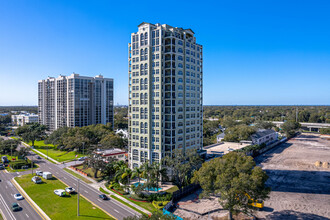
[[296, 114], [32, 166], [78, 199]]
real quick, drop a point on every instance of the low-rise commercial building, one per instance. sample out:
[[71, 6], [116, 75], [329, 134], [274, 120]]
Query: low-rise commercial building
[[115, 153]]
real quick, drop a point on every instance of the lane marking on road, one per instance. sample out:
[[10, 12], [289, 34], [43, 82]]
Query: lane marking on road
[[99, 207], [115, 210], [11, 215], [27, 215], [85, 191], [99, 200], [64, 177], [90, 201], [115, 202], [28, 200]]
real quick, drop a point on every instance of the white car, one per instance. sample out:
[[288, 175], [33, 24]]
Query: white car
[[69, 189], [18, 196], [39, 173], [36, 179], [60, 192]]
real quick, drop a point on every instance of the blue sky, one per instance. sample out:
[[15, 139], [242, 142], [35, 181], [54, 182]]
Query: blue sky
[[255, 52]]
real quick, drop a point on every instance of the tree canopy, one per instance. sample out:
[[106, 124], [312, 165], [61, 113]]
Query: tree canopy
[[32, 132], [181, 165], [233, 179]]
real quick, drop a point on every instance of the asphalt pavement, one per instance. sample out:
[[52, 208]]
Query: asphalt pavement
[[111, 206], [7, 191]]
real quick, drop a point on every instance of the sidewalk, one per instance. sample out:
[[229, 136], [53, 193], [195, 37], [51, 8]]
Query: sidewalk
[[125, 200], [101, 184]]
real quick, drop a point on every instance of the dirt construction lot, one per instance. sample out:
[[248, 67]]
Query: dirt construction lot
[[300, 189]]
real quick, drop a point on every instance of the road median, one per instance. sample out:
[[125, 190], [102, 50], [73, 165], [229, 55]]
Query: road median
[[30, 201]]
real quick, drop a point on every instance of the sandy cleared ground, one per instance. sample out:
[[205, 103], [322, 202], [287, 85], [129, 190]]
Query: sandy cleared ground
[[300, 190]]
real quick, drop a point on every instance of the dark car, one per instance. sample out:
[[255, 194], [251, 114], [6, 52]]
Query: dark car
[[103, 196], [15, 207]]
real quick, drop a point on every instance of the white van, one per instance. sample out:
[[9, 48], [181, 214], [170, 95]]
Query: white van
[[47, 175]]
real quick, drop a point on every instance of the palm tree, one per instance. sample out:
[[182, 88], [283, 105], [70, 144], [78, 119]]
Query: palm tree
[[123, 175], [146, 173], [137, 172], [158, 173]]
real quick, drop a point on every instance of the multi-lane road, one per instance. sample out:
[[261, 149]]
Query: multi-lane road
[[7, 191], [111, 207]]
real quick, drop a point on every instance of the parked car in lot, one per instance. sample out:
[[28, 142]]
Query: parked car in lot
[[15, 207], [36, 179], [60, 192], [38, 157], [103, 196], [69, 189], [39, 173], [2, 167], [18, 196]]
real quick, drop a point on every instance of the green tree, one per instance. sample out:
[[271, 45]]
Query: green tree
[[228, 122], [290, 128], [109, 169], [158, 172], [264, 125], [32, 132], [233, 178], [239, 133], [181, 166], [137, 172], [95, 163], [112, 140], [8, 146]]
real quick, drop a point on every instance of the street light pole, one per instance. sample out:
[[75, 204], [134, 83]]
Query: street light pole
[[78, 199], [84, 148]]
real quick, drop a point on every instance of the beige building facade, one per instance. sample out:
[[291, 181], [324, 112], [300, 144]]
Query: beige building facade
[[165, 92]]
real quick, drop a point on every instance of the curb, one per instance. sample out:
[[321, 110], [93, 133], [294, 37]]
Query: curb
[[3, 216], [127, 201], [41, 212], [89, 200]]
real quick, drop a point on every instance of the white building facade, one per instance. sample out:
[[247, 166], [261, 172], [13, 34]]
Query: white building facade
[[165, 92], [75, 101], [24, 118]]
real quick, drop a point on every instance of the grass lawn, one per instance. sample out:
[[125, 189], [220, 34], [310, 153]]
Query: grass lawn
[[58, 207], [172, 189], [103, 191], [91, 173], [146, 205], [77, 175], [61, 156], [132, 207], [38, 144]]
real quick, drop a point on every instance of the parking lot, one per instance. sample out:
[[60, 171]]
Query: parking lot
[[300, 189]]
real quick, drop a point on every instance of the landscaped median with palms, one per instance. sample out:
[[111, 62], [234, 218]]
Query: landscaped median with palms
[[60, 207]]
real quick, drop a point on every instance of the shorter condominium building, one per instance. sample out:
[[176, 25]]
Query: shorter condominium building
[[75, 101], [24, 118], [264, 136]]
